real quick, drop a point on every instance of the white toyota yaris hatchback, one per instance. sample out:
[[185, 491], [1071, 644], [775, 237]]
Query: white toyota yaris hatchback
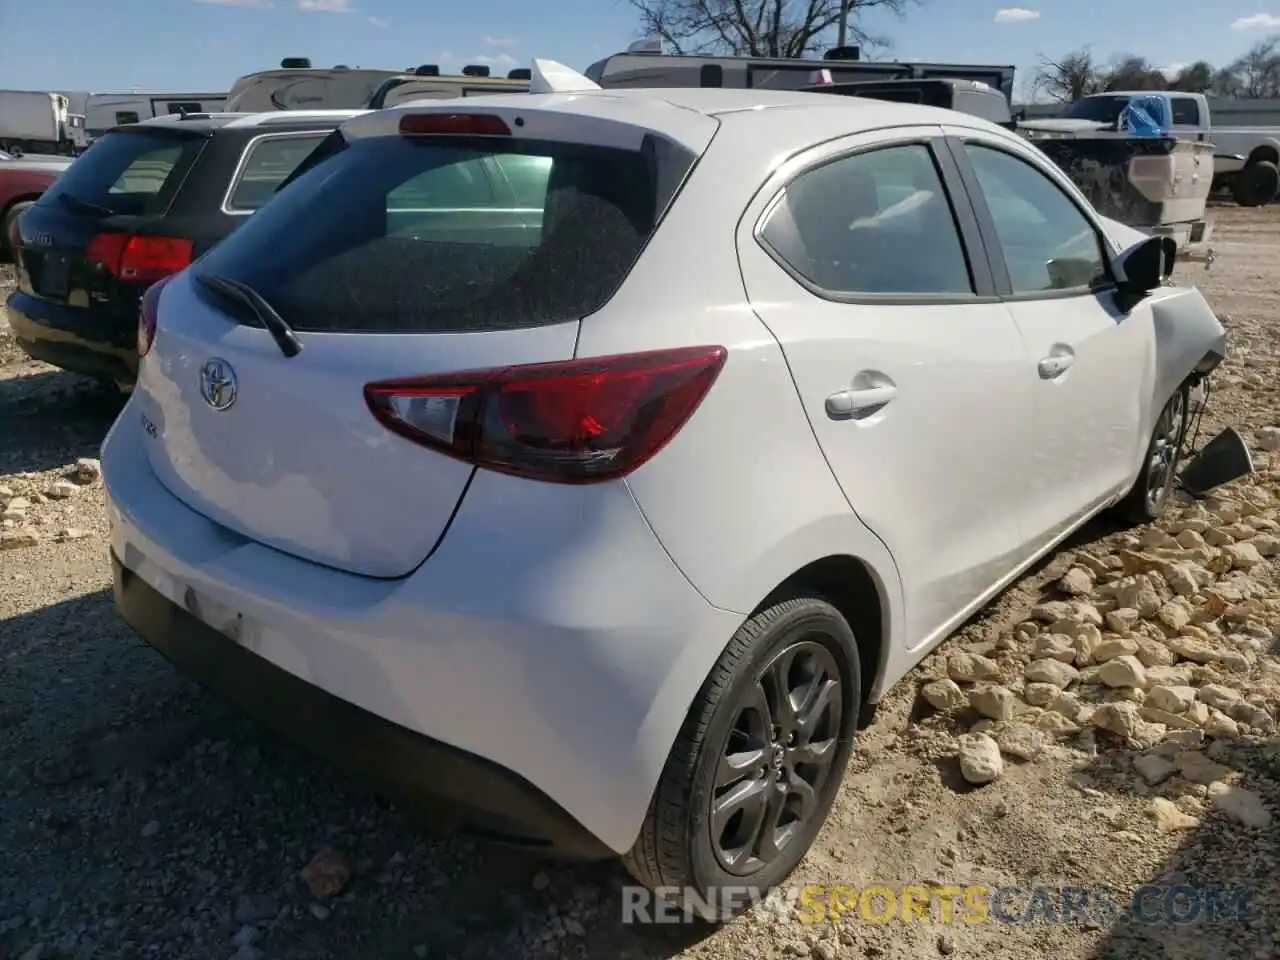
[[595, 461]]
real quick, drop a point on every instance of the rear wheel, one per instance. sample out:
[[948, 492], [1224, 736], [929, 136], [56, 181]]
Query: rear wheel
[[1150, 494], [1256, 184], [6, 225], [757, 764]]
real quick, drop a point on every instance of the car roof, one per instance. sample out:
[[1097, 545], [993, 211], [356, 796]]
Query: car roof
[[238, 121], [796, 117]]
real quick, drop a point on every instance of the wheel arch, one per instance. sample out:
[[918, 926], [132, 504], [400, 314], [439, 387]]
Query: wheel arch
[[1268, 151], [853, 587]]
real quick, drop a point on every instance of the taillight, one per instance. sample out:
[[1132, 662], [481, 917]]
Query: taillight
[[579, 421], [139, 258], [464, 124], [148, 316]]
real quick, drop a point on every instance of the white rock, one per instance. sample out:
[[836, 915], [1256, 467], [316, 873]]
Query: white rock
[[1076, 582], [1021, 741], [88, 470], [1114, 647], [1198, 768], [994, 702], [1267, 438], [1171, 699], [944, 695], [1169, 818], [1138, 593], [62, 489], [1240, 804], [1051, 671], [1055, 646], [1126, 671], [1119, 718], [1216, 695], [1243, 556], [1122, 619], [980, 760], [1040, 694], [1153, 768], [1155, 655], [966, 667]]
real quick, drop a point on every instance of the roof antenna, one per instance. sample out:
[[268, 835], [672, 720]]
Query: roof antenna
[[551, 76]]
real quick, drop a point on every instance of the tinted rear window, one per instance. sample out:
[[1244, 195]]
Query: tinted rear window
[[447, 234], [130, 173]]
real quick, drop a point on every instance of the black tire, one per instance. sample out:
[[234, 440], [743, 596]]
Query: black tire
[[1137, 507], [6, 225], [1257, 184], [678, 846]]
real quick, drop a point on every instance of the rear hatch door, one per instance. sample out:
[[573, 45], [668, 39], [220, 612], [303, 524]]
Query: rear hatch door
[[75, 239], [393, 257]]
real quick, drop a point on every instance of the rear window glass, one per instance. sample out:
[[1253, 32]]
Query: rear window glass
[[437, 234], [131, 173], [266, 164]]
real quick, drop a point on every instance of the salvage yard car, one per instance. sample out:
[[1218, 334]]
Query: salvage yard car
[[144, 201], [609, 519], [22, 180]]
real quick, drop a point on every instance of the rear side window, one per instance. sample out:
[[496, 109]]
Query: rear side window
[[1185, 112], [425, 234], [135, 172], [266, 163], [878, 222]]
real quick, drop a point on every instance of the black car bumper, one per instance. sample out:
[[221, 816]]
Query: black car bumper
[[78, 339], [477, 795]]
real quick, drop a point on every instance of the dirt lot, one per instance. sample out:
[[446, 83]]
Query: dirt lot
[[139, 818]]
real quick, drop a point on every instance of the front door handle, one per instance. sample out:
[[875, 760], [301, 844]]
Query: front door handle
[[1055, 365], [848, 402]]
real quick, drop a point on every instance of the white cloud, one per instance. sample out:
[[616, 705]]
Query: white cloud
[[1257, 21], [237, 3], [1016, 15], [503, 61], [499, 41], [1171, 70], [379, 23], [325, 6]]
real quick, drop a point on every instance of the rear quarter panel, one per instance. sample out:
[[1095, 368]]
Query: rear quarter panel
[[742, 497], [17, 184]]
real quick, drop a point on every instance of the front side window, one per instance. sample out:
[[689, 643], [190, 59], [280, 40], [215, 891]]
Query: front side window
[[1048, 244], [878, 222], [265, 167]]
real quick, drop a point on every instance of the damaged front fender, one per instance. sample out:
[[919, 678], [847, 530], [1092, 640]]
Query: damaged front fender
[[1190, 342]]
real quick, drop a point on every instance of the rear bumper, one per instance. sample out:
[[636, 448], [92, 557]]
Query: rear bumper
[[75, 338], [412, 767], [545, 648]]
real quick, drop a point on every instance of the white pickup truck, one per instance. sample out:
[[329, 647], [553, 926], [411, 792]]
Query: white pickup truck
[[1246, 160]]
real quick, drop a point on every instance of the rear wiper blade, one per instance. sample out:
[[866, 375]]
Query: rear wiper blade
[[266, 314], [84, 206]]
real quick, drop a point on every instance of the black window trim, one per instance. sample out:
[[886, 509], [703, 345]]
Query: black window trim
[[986, 223], [970, 236], [247, 151]]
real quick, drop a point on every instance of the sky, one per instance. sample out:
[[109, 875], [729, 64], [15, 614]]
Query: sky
[[204, 45]]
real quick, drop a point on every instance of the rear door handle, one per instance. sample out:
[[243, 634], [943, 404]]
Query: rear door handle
[[848, 402], [1055, 365]]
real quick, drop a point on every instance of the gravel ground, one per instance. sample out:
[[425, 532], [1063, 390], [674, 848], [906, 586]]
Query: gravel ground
[[140, 818]]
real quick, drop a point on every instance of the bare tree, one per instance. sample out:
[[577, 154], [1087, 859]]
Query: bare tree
[[1257, 73], [1130, 72], [1195, 77], [1069, 78], [757, 28]]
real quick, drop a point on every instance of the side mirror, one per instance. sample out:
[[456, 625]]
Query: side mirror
[[1145, 266]]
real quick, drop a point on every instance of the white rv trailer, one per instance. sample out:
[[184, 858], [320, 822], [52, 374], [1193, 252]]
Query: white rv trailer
[[106, 110], [296, 85]]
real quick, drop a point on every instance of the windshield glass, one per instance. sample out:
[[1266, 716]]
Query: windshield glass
[[131, 172], [434, 235], [1097, 109]]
